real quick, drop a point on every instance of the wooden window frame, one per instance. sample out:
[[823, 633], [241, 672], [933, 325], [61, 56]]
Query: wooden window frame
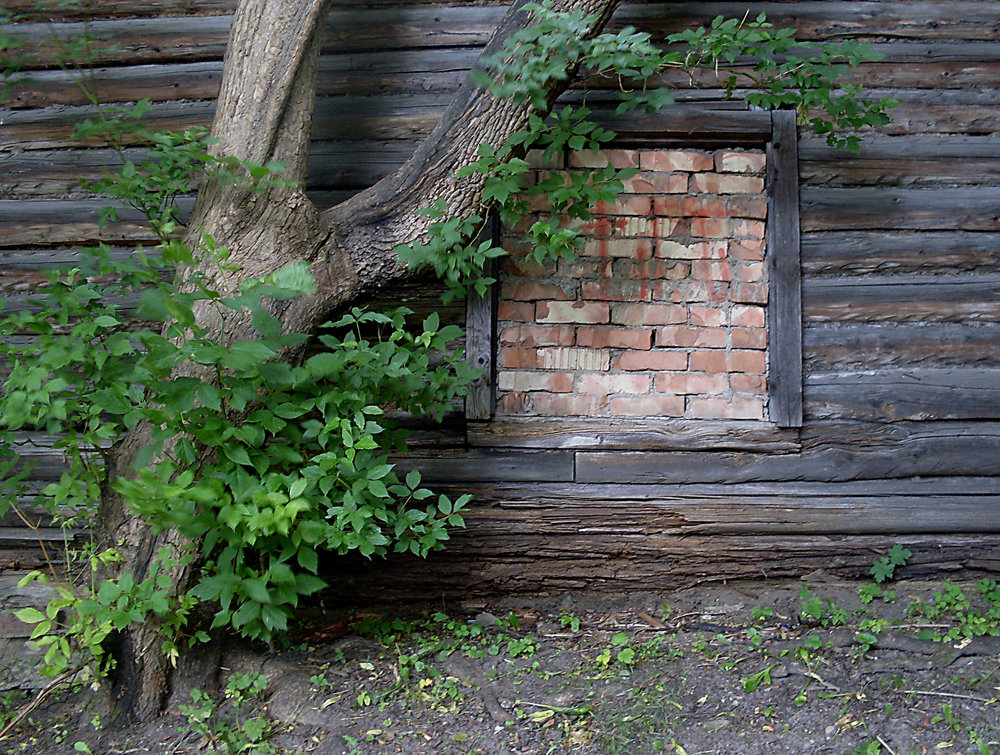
[[776, 132]]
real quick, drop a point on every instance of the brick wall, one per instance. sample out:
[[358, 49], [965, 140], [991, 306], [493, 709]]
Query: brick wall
[[662, 314]]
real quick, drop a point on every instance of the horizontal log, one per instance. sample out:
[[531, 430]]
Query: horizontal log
[[31, 221], [483, 561], [965, 209], [71, 221], [489, 465], [861, 253], [65, 172], [828, 347], [831, 452], [905, 297], [902, 161], [631, 434], [892, 394], [386, 70]]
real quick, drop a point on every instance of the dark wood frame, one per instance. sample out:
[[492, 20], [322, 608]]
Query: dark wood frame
[[694, 126]]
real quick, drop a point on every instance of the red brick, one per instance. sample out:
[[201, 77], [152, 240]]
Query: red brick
[[657, 183], [516, 311], [710, 228], [566, 405], [748, 229], [726, 183], [652, 360], [749, 338], [714, 250], [740, 162], [677, 229], [574, 359], [626, 205], [635, 248], [680, 291], [751, 272], [706, 408], [616, 290], [747, 249], [750, 293], [741, 383], [599, 226], [648, 406], [512, 403], [706, 206], [675, 251], [716, 292], [748, 207], [523, 381], [650, 270], [620, 158], [648, 314], [604, 385], [670, 206], [683, 335], [711, 270], [745, 408], [750, 317], [708, 361], [630, 226], [689, 383], [614, 338], [674, 161], [537, 335], [522, 290], [585, 268], [590, 312], [708, 316], [524, 266], [747, 361], [514, 358]]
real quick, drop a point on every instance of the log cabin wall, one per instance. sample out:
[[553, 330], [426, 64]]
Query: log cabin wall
[[900, 280]]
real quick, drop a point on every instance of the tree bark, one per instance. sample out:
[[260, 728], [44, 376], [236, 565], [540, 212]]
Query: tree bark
[[264, 113]]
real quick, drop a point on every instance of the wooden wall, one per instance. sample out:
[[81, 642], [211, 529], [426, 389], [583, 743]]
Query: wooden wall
[[900, 281]]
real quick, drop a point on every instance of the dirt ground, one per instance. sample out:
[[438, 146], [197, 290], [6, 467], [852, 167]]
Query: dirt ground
[[812, 666]]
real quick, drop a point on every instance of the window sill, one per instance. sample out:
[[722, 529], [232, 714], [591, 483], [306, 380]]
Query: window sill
[[625, 434]]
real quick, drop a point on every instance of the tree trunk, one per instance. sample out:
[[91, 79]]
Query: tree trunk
[[264, 113]]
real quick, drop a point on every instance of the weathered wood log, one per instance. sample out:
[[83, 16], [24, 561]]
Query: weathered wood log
[[646, 434], [482, 562], [863, 252], [892, 394], [966, 209], [831, 451], [828, 347], [908, 297]]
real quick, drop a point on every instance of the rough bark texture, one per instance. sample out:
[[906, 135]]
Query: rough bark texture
[[264, 113]]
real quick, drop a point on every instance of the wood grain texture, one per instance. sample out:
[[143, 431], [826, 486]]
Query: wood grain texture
[[863, 252], [883, 208], [619, 434], [832, 346], [920, 393], [831, 452], [511, 557], [784, 310], [972, 297]]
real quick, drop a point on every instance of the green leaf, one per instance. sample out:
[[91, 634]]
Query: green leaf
[[30, 615]]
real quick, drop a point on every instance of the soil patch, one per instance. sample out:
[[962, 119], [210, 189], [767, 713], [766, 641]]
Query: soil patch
[[814, 666]]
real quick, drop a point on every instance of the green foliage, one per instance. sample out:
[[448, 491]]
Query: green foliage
[[765, 66], [239, 734], [885, 568]]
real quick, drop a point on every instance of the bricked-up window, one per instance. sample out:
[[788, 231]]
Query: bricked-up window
[[663, 312], [680, 323]]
